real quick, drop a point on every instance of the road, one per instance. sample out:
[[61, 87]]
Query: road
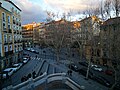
[[50, 66]]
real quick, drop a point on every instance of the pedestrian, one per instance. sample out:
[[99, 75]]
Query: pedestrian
[[25, 78], [34, 74], [22, 79], [29, 75], [36, 56], [70, 72], [73, 54], [41, 73]]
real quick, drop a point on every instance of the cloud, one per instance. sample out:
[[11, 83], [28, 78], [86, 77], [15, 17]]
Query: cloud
[[34, 10], [67, 5], [31, 12]]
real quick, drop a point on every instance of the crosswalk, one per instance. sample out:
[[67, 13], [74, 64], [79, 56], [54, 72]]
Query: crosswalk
[[34, 58]]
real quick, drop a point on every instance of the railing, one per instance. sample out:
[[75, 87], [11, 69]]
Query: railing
[[44, 78]]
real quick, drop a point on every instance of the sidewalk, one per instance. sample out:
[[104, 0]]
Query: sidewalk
[[88, 84]]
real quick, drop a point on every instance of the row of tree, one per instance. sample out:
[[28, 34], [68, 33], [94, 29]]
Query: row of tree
[[105, 9], [60, 34]]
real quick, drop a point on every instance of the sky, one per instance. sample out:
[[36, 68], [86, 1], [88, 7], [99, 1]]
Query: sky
[[35, 10]]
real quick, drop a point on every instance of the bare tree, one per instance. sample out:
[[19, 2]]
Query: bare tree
[[57, 35], [115, 43], [116, 7], [107, 8]]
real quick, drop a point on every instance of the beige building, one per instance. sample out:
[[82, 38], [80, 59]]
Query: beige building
[[90, 29], [10, 34], [33, 34], [27, 34], [39, 34]]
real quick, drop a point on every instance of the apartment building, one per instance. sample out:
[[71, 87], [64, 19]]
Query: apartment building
[[58, 32], [39, 34], [90, 29], [27, 34], [10, 34], [110, 41]]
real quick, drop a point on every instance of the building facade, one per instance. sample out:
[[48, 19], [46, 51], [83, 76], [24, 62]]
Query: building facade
[[10, 34], [110, 41], [39, 34], [27, 33], [90, 29]]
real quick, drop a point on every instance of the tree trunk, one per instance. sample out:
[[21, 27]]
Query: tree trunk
[[115, 81], [88, 69], [57, 52]]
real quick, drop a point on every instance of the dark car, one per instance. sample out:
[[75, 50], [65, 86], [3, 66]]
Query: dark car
[[109, 72], [83, 71], [73, 67], [36, 52], [84, 64], [102, 80]]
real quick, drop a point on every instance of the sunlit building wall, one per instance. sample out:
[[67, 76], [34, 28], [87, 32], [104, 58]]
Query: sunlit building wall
[[90, 29], [10, 34]]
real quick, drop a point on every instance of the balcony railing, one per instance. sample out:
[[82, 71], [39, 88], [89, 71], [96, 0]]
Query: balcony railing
[[33, 83], [5, 42], [4, 29], [8, 53], [9, 31], [13, 21]]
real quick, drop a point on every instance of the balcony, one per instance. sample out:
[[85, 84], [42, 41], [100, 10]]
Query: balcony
[[14, 22], [9, 31], [8, 53], [4, 29], [5, 42], [10, 42], [19, 24]]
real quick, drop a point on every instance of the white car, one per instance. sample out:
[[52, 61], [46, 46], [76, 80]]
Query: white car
[[32, 50], [94, 65], [97, 69], [25, 60], [18, 65], [28, 49], [8, 71]]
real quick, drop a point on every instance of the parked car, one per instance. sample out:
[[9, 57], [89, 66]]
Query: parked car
[[18, 65], [109, 72], [83, 71], [25, 60], [102, 80], [32, 50], [97, 69], [94, 65], [28, 49], [36, 52], [73, 67], [84, 64], [7, 71]]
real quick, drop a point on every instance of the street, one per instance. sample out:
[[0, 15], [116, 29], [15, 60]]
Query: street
[[45, 62]]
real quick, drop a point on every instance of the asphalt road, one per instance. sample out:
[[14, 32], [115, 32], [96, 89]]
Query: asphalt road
[[49, 66]]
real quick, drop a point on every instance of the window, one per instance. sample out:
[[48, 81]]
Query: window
[[8, 19], [3, 16], [5, 49], [5, 38], [8, 26], [4, 26]]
